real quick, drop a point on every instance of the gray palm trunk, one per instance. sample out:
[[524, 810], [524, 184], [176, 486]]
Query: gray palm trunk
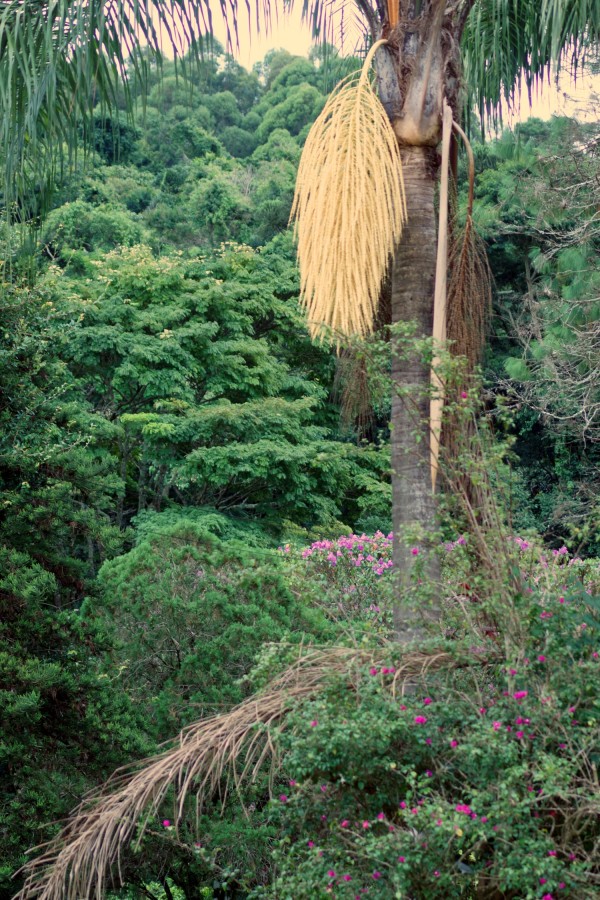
[[413, 276], [414, 108]]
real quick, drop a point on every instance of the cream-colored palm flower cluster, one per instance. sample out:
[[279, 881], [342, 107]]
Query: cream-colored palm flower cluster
[[349, 208]]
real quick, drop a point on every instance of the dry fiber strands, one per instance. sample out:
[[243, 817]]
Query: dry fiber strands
[[349, 208], [208, 759]]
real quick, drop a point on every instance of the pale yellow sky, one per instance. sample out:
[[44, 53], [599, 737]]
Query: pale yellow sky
[[289, 33]]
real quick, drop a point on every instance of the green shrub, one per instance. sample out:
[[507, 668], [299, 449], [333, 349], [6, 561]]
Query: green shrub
[[187, 614]]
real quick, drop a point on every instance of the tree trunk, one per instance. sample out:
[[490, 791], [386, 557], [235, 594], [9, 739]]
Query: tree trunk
[[413, 277]]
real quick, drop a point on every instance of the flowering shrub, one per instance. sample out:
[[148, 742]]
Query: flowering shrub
[[480, 784], [348, 573]]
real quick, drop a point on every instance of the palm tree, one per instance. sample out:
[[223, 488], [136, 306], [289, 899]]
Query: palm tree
[[452, 52]]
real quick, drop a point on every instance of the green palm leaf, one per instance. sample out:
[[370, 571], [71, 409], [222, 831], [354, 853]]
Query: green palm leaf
[[60, 58]]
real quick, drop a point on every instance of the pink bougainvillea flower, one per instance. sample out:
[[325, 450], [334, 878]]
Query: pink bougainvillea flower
[[420, 720], [519, 695], [463, 808]]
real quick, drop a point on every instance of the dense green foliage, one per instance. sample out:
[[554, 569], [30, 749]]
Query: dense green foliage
[[166, 424]]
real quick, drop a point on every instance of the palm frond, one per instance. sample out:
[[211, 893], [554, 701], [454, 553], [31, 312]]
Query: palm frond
[[207, 760], [62, 58], [504, 39], [349, 208]]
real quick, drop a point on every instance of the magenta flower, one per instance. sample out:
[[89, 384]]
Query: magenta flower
[[381, 816], [464, 395], [541, 658], [415, 551], [166, 823], [401, 859], [314, 723], [420, 720], [331, 874], [484, 819], [519, 734], [454, 743], [346, 877], [543, 880], [344, 824], [551, 852], [545, 615], [373, 671], [547, 897], [403, 804], [366, 824], [376, 875], [497, 726], [292, 783], [283, 798], [427, 701], [519, 695]]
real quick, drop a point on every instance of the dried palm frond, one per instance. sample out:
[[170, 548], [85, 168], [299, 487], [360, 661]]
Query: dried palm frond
[[207, 760], [349, 207], [352, 390], [470, 280]]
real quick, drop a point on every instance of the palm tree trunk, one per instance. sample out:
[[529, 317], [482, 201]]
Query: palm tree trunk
[[413, 277]]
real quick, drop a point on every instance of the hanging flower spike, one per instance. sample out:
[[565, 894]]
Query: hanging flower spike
[[349, 208]]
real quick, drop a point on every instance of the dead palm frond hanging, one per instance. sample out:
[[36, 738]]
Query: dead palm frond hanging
[[349, 208]]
